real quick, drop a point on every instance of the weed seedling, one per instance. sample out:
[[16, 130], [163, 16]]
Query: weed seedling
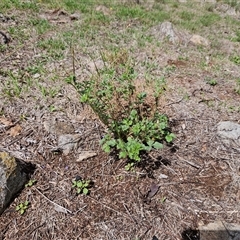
[[235, 59], [211, 82], [22, 207], [129, 166], [30, 183], [81, 186]]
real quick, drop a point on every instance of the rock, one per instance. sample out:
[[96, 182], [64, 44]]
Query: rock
[[14, 174], [163, 176], [166, 31], [197, 40], [229, 130], [220, 231], [58, 128], [68, 142], [226, 9], [85, 155]]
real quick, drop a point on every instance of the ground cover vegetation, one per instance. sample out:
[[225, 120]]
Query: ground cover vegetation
[[146, 107]]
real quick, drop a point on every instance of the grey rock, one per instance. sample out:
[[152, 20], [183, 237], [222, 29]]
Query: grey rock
[[14, 174], [220, 231], [229, 130], [68, 142], [226, 9], [167, 31]]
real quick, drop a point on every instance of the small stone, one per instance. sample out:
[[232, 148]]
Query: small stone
[[68, 142], [36, 75], [85, 155], [57, 127], [163, 176], [228, 129], [198, 40]]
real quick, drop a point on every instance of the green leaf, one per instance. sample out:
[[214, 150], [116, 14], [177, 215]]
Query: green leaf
[[22, 211], [158, 145], [125, 127], [111, 142], [85, 191], [78, 190], [150, 143], [136, 128], [74, 182], [123, 154], [106, 148], [169, 138], [79, 184], [84, 98], [148, 148]]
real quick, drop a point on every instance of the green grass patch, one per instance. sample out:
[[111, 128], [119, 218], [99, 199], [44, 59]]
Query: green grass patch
[[19, 4], [41, 25]]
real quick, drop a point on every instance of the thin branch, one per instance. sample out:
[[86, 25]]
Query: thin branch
[[55, 204]]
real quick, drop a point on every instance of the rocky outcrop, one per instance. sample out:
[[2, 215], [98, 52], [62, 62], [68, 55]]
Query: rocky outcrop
[[14, 173]]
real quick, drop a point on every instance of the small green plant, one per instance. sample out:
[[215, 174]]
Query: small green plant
[[235, 59], [13, 86], [211, 82], [81, 186], [30, 183], [131, 115], [22, 207], [237, 37], [163, 199], [46, 91], [129, 166], [52, 108]]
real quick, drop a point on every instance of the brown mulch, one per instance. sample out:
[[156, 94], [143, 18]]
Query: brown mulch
[[197, 176]]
